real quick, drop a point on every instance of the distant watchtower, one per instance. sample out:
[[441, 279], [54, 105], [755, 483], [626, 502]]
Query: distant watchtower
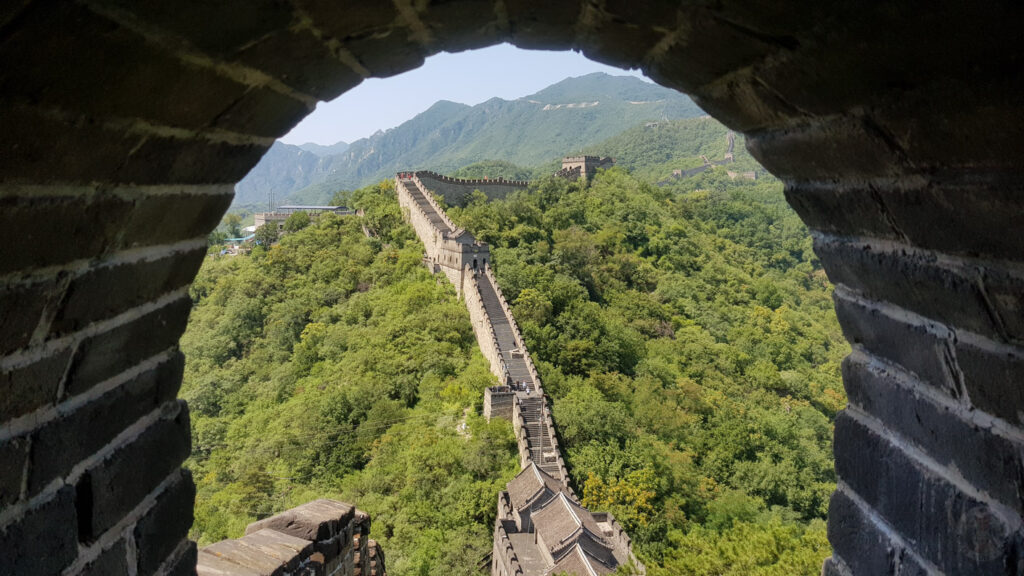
[[584, 167]]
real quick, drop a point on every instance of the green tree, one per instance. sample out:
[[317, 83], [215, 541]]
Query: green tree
[[296, 221], [233, 225], [216, 238], [266, 234]]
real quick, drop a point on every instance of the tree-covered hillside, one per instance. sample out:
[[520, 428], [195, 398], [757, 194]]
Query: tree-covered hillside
[[688, 340], [335, 365], [494, 169], [651, 151]]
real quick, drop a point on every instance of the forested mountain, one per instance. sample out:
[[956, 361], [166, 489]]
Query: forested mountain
[[561, 119], [651, 151], [685, 334], [321, 150], [284, 167]]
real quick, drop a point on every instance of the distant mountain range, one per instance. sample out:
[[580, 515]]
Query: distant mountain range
[[564, 118], [321, 150]]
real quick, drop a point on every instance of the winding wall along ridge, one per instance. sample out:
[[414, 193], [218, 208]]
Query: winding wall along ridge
[[520, 395]]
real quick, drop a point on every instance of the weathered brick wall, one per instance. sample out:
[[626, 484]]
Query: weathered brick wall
[[319, 538], [498, 402], [896, 128]]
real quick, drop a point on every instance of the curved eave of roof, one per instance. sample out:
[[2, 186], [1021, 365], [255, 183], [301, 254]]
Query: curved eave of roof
[[579, 561]]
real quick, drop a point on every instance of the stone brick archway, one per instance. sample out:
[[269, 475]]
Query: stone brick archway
[[124, 125]]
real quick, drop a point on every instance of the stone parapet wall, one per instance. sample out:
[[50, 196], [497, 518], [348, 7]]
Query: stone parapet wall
[[429, 195], [553, 438], [519, 429], [456, 190], [621, 539], [447, 247], [504, 561], [520, 341], [483, 328], [320, 538]]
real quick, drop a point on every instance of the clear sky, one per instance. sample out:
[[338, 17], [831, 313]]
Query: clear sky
[[467, 77]]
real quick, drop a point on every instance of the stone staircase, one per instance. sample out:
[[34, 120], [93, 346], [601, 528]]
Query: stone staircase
[[532, 403], [538, 435], [421, 201], [514, 360]]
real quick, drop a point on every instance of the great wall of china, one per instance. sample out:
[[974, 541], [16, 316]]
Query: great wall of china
[[541, 527]]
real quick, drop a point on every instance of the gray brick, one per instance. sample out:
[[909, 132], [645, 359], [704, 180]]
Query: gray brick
[[118, 484], [186, 563], [21, 308], [314, 521], [915, 282], [954, 531], [912, 346], [13, 455], [61, 444], [166, 525], [195, 216], [387, 52], [458, 25], [110, 353], [541, 25], [301, 61], [217, 28], [33, 386], [992, 463], [111, 562], [105, 70], [993, 380], [866, 547], [28, 245], [706, 34], [44, 541], [90, 298]]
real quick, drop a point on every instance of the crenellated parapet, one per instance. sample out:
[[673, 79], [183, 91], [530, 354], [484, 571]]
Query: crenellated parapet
[[457, 190], [320, 538]]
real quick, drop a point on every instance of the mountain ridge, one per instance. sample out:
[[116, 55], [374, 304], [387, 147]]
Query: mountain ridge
[[563, 118]]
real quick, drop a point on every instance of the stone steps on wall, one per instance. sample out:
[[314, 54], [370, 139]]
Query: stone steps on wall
[[421, 201], [538, 434], [517, 367]]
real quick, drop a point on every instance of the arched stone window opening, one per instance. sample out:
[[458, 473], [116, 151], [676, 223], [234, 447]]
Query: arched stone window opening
[[896, 132]]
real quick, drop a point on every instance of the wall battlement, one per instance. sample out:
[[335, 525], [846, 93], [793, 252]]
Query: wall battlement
[[457, 190], [320, 538], [585, 167]]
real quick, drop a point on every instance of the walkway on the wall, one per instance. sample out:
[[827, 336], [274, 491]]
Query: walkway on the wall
[[420, 198], [537, 439], [532, 405]]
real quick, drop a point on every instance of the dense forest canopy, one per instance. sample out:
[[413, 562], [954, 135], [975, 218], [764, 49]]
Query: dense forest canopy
[[685, 333], [687, 337]]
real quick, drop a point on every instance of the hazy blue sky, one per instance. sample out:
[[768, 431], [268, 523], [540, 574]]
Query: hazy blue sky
[[468, 77]]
